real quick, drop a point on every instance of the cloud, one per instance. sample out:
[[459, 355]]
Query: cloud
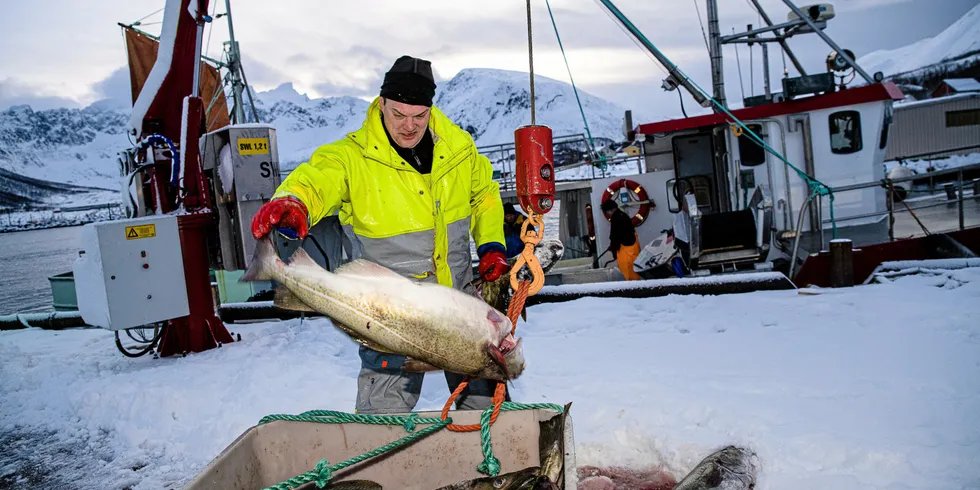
[[261, 76], [344, 49], [116, 87], [14, 92]]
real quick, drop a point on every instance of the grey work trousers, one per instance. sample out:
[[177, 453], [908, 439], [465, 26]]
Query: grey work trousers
[[383, 388]]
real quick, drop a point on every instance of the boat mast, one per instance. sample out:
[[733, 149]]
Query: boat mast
[[717, 68]]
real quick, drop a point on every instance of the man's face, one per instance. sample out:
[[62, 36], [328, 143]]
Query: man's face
[[406, 123], [510, 218]]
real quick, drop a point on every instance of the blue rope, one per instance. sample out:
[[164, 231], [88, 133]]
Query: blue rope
[[816, 187], [602, 158], [175, 167]]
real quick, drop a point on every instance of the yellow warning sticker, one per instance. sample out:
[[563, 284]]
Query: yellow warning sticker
[[253, 146], [141, 231]]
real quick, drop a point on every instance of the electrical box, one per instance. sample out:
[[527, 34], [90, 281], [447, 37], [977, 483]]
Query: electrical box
[[130, 273], [242, 162]]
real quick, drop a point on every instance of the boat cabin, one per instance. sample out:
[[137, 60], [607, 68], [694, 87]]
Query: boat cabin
[[745, 197]]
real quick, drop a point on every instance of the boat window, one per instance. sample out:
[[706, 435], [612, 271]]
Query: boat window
[[970, 117], [845, 132], [752, 153]]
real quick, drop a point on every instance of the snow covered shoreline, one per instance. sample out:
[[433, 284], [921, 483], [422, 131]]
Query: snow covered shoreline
[[868, 387]]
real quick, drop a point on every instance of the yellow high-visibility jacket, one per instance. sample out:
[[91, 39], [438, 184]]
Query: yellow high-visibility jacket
[[417, 225]]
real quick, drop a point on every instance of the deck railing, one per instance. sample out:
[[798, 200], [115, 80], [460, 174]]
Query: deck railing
[[914, 215]]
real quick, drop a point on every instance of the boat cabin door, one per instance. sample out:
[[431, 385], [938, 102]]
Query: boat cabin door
[[695, 166]]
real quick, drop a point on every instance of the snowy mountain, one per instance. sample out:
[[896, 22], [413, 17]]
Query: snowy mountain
[[951, 52], [491, 104], [48, 156], [302, 123]]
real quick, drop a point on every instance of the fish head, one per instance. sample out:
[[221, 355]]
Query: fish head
[[505, 356], [505, 361]]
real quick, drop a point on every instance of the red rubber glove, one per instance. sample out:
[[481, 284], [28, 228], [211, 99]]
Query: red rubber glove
[[493, 264], [286, 212]]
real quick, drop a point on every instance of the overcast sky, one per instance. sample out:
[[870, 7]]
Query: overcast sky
[[69, 53]]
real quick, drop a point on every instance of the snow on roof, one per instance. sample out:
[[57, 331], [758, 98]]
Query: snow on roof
[[963, 84], [907, 103]]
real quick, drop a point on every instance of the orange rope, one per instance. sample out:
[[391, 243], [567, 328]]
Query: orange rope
[[521, 291], [513, 311]]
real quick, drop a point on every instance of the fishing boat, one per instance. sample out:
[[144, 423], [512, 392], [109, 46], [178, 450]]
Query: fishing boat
[[764, 187]]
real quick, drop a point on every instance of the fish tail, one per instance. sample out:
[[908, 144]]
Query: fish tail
[[262, 260]]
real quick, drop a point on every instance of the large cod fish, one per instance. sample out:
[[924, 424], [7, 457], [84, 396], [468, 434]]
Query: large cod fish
[[377, 307]]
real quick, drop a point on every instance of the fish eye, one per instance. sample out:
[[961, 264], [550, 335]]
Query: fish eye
[[499, 483]]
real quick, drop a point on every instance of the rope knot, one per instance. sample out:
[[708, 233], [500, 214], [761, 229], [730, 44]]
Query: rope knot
[[490, 466], [410, 422], [323, 473]]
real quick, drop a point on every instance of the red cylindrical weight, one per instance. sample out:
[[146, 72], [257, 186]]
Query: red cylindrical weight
[[535, 172]]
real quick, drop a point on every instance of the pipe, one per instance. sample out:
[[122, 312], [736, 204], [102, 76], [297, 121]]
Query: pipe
[[809, 164], [796, 239], [787, 216]]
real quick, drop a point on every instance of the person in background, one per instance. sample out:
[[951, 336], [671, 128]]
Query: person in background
[[623, 241], [682, 222], [513, 227]]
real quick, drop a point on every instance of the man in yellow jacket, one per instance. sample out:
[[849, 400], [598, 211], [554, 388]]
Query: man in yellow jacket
[[413, 188]]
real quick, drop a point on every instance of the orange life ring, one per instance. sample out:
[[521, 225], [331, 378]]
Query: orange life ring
[[641, 195]]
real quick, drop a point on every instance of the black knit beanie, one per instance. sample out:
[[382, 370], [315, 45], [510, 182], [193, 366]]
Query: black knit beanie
[[409, 81]]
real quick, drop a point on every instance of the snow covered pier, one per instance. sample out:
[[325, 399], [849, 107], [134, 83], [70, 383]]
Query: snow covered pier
[[873, 386]]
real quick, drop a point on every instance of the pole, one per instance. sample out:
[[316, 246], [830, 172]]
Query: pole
[[717, 69], [891, 210], [765, 70], [829, 41], [841, 263], [959, 184], [198, 18], [234, 62], [530, 58], [675, 74], [782, 42]]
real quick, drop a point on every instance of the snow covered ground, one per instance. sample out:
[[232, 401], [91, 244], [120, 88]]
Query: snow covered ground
[[869, 387]]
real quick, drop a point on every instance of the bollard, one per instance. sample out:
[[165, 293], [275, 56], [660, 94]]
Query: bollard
[[950, 192], [841, 263]]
